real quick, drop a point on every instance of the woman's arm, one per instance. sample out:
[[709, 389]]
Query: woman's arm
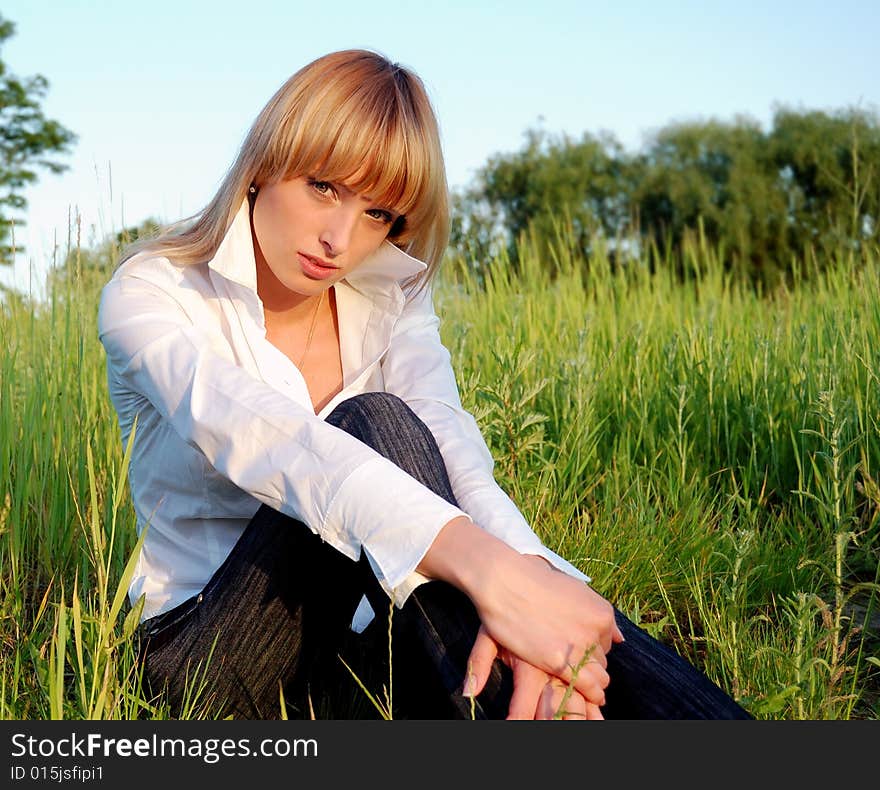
[[539, 620], [417, 368]]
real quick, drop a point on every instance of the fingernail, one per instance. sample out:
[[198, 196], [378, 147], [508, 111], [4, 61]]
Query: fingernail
[[470, 684]]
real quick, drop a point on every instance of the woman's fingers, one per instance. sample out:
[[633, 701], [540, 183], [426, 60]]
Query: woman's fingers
[[536, 694], [592, 655], [557, 701], [479, 665], [586, 672], [528, 685], [590, 681], [593, 713]]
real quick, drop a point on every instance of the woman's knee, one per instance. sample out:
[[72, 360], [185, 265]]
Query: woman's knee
[[385, 423], [374, 409]]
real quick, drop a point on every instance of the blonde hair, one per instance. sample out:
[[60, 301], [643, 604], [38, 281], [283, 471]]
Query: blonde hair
[[352, 117]]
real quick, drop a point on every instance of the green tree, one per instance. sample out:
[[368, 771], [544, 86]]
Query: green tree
[[830, 168], [551, 184], [764, 198], [28, 141], [718, 179]]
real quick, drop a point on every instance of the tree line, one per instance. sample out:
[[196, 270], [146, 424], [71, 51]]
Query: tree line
[[762, 198]]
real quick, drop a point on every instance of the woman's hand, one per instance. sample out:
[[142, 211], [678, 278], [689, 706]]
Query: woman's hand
[[557, 624], [536, 695], [549, 619]]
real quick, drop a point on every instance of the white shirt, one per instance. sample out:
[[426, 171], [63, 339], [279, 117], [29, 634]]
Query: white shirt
[[225, 422]]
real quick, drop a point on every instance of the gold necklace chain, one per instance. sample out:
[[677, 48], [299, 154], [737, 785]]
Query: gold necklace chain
[[311, 331]]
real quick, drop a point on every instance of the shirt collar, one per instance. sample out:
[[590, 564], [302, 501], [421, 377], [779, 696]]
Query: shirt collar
[[234, 258]]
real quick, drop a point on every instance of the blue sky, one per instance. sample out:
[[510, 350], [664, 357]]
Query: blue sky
[[162, 93]]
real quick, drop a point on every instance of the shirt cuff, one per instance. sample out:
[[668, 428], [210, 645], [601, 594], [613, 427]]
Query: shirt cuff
[[393, 517]]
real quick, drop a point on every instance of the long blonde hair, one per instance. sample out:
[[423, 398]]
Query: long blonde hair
[[350, 116]]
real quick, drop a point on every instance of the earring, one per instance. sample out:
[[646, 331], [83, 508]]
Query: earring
[[252, 190]]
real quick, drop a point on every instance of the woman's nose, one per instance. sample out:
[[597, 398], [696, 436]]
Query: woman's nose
[[336, 236]]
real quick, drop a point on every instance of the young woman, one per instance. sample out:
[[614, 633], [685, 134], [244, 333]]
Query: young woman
[[301, 458]]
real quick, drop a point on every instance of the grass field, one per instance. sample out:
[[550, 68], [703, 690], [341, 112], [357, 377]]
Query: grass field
[[708, 455]]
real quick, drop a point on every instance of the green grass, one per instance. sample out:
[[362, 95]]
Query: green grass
[[708, 455]]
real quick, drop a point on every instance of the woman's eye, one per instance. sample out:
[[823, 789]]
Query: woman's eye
[[380, 214], [324, 187]]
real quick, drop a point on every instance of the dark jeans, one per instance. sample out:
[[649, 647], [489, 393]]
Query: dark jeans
[[275, 616]]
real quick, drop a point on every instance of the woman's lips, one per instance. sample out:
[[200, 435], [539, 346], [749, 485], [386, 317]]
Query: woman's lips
[[314, 268]]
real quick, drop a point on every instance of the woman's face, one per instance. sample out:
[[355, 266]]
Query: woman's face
[[310, 233]]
